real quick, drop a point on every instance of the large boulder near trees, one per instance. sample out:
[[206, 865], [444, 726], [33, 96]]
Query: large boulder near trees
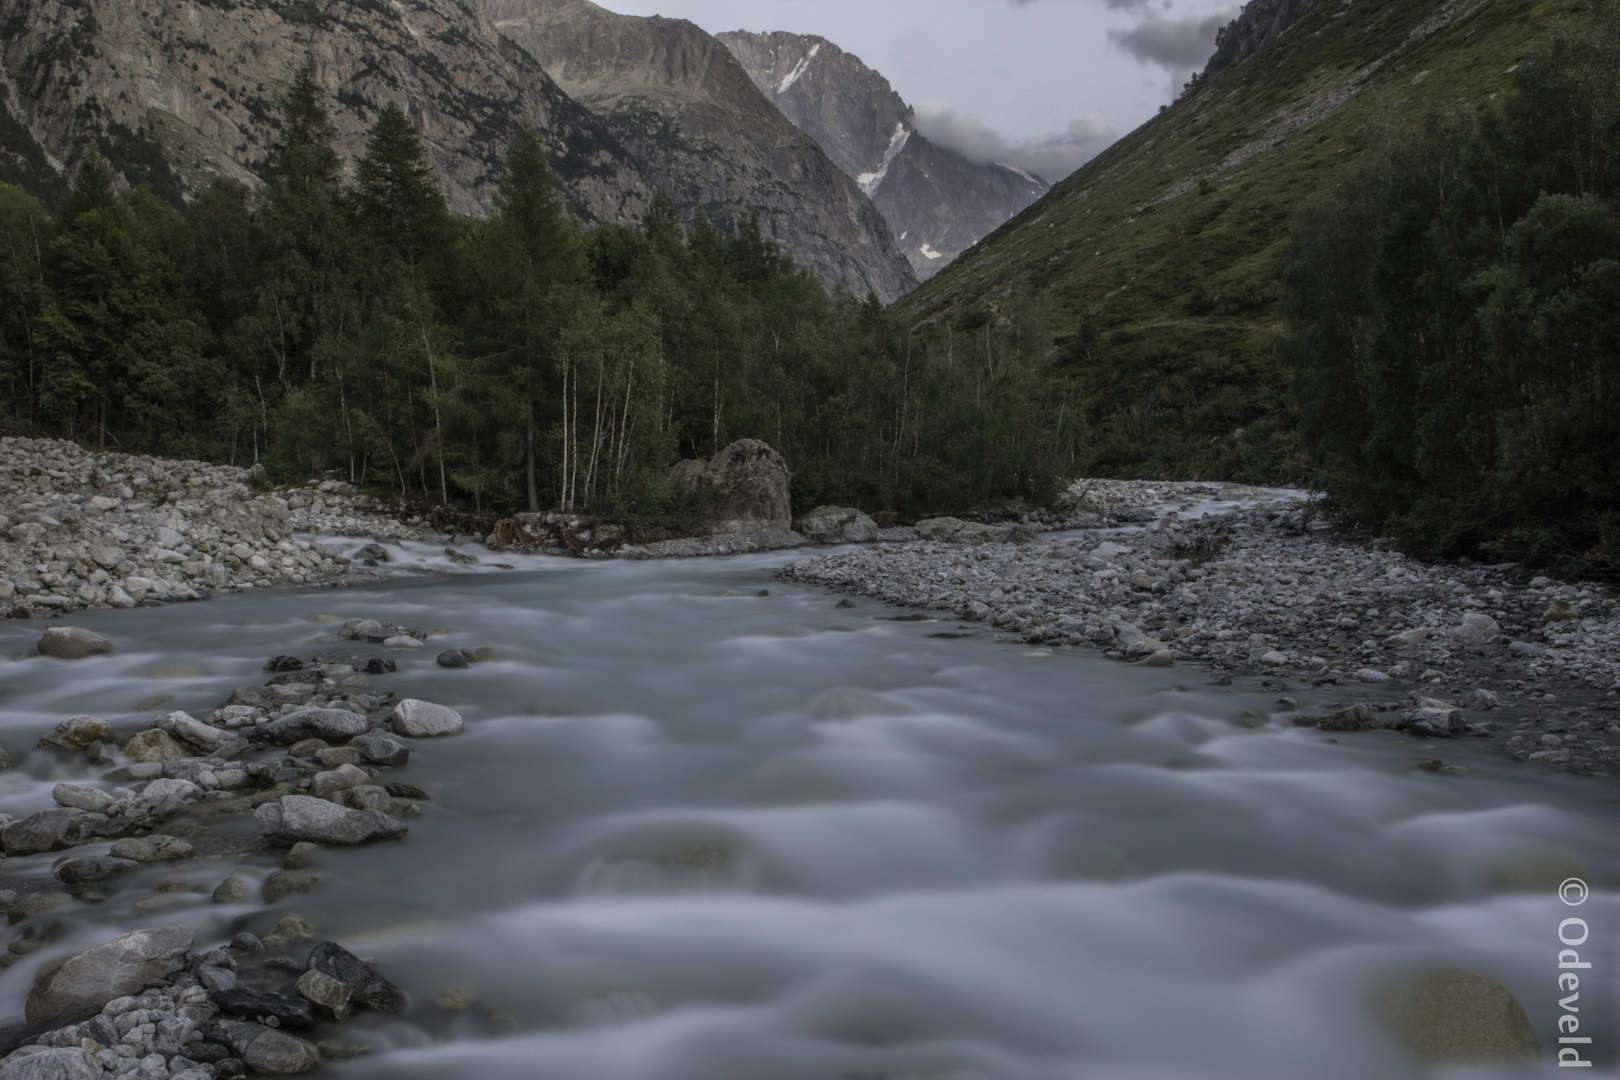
[[749, 484], [838, 525]]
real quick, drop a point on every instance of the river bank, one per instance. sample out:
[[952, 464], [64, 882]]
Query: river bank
[[1263, 590]]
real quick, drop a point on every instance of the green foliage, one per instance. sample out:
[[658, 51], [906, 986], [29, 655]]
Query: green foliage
[[317, 327], [1165, 248], [1455, 320]]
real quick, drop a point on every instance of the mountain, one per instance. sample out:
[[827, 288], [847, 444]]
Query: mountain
[[1158, 259], [693, 118], [937, 201], [175, 93]]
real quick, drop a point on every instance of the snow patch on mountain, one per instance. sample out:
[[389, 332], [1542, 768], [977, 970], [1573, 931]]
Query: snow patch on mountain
[[798, 69], [871, 181]]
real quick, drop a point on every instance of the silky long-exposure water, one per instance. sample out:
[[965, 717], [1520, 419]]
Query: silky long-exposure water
[[705, 826]]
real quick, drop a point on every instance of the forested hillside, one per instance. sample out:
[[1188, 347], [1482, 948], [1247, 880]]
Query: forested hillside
[[322, 324], [1454, 320], [1161, 258]]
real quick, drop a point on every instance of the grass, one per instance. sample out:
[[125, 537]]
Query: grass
[[1160, 256]]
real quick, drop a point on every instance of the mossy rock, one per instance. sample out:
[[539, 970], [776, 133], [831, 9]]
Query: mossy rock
[[1452, 1017]]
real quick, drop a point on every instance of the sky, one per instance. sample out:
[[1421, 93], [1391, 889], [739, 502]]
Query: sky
[[1042, 84]]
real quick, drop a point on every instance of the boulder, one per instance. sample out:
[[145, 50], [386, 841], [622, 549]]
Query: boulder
[[371, 990], [423, 719], [333, 725], [72, 643], [162, 788], [107, 556], [323, 784], [381, 749], [1355, 718], [452, 658], [1452, 1017], [330, 994], [51, 830], [78, 732], [79, 797], [188, 729], [124, 966], [301, 817], [838, 525], [153, 745], [1560, 611], [748, 482], [1477, 629], [54, 1064]]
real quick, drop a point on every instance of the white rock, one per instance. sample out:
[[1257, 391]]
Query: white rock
[[1371, 675], [402, 641], [424, 719], [163, 787]]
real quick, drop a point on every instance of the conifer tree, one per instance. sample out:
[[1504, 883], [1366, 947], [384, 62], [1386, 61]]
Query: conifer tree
[[398, 203]]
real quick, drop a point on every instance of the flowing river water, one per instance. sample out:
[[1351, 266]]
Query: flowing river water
[[698, 832]]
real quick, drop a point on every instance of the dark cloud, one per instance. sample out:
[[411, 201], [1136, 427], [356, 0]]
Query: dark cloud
[[1178, 45], [1051, 157]]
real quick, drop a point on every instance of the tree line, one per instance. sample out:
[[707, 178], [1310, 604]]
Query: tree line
[[1454, 320], [339, 320]]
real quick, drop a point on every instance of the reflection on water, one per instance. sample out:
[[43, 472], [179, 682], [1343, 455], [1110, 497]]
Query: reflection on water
[[697, 835]]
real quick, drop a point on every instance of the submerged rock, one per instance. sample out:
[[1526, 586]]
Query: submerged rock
[[73, 643], [1452, 1017]]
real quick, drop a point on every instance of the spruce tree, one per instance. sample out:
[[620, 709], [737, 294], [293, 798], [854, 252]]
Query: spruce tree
[[397, 198]]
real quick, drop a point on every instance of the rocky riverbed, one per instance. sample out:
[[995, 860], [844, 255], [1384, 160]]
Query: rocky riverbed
[[1262, 589], [246, 797], [82, 529]]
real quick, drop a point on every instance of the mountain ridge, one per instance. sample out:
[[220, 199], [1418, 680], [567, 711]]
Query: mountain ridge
[[938, 202], [175, 96]]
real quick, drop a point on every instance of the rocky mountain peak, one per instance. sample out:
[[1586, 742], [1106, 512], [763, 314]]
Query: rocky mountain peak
[[938, 202]]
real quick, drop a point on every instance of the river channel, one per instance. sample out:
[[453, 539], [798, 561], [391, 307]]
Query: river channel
[[703, 825]]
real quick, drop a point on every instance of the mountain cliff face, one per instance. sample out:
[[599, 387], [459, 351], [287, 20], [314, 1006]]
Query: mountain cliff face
[[1159, 257], [694, 119], [937, 201], [175, 92]]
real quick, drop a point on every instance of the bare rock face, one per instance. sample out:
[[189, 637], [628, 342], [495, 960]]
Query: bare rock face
[[750, 484], [178, 94], [702, 131], [937, 202], [125, 965]]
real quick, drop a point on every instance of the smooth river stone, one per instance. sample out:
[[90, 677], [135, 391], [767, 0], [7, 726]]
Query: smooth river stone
[[73, 643], [300, 817], [423, 719], [124, 966], [333, 725]]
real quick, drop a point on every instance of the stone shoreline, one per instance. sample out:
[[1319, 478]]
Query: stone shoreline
[[1267, 592], [255, 798]]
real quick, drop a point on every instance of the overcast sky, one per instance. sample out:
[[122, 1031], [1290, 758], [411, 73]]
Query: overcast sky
[[1043, 84]]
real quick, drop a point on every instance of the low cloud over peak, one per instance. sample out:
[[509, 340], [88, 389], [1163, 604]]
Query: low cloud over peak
[[1051, 157]]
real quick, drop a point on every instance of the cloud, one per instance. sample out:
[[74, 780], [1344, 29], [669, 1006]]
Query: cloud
[[1051, 157], [1177, 45]]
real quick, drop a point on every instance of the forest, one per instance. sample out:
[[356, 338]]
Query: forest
[[1454, 321], [339, 321]]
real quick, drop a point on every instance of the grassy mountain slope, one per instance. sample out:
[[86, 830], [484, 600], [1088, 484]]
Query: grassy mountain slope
[[1159, 257]]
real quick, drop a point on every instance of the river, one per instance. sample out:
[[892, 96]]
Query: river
[[706, 826]]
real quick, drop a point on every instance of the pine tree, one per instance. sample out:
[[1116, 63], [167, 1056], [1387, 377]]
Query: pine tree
[[397, 199]]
